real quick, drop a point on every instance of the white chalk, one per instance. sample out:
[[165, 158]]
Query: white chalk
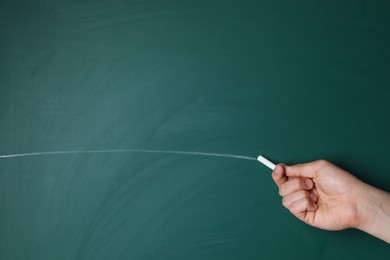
[[266, 162]]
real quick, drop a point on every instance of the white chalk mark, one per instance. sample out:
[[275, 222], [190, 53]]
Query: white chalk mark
[[129, 151]]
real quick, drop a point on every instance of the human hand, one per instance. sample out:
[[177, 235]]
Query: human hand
[[320, 194], [325, 196]]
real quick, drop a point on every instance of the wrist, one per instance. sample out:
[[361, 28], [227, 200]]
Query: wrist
[[367, 207], [374, 212]]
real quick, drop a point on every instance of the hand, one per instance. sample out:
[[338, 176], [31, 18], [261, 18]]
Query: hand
[[320, 194], [324, 196]]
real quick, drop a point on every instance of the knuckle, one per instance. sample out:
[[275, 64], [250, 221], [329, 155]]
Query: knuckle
[[294, 210], [297, 208], [284, 202], [283, 189], [321, 163]]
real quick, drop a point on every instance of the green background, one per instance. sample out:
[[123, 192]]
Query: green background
[[293, 80]]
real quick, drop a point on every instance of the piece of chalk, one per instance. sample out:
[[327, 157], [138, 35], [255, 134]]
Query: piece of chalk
[[266, 162]]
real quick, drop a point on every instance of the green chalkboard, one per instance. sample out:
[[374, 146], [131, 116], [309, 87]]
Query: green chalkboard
[[293, 80]]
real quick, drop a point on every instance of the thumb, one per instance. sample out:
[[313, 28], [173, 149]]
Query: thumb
[[305, 170]]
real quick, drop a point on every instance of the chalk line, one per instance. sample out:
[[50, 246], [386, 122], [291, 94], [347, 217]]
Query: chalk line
[[129, 151]]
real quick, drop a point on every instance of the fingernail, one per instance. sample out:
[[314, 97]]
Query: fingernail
[[278, 169], [308, 183]]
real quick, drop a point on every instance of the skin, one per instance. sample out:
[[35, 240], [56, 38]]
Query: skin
[[325, 196]]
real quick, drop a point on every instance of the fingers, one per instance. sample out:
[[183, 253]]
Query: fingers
[[297, 190], [289, 185], [295, 184], [278, 175], [301, 202], [300, 208], [289, 200]]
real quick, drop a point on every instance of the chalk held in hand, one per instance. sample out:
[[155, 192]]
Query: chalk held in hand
[[266, 162]]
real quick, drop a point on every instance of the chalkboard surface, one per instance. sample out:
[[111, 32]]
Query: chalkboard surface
[[293, 80]]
